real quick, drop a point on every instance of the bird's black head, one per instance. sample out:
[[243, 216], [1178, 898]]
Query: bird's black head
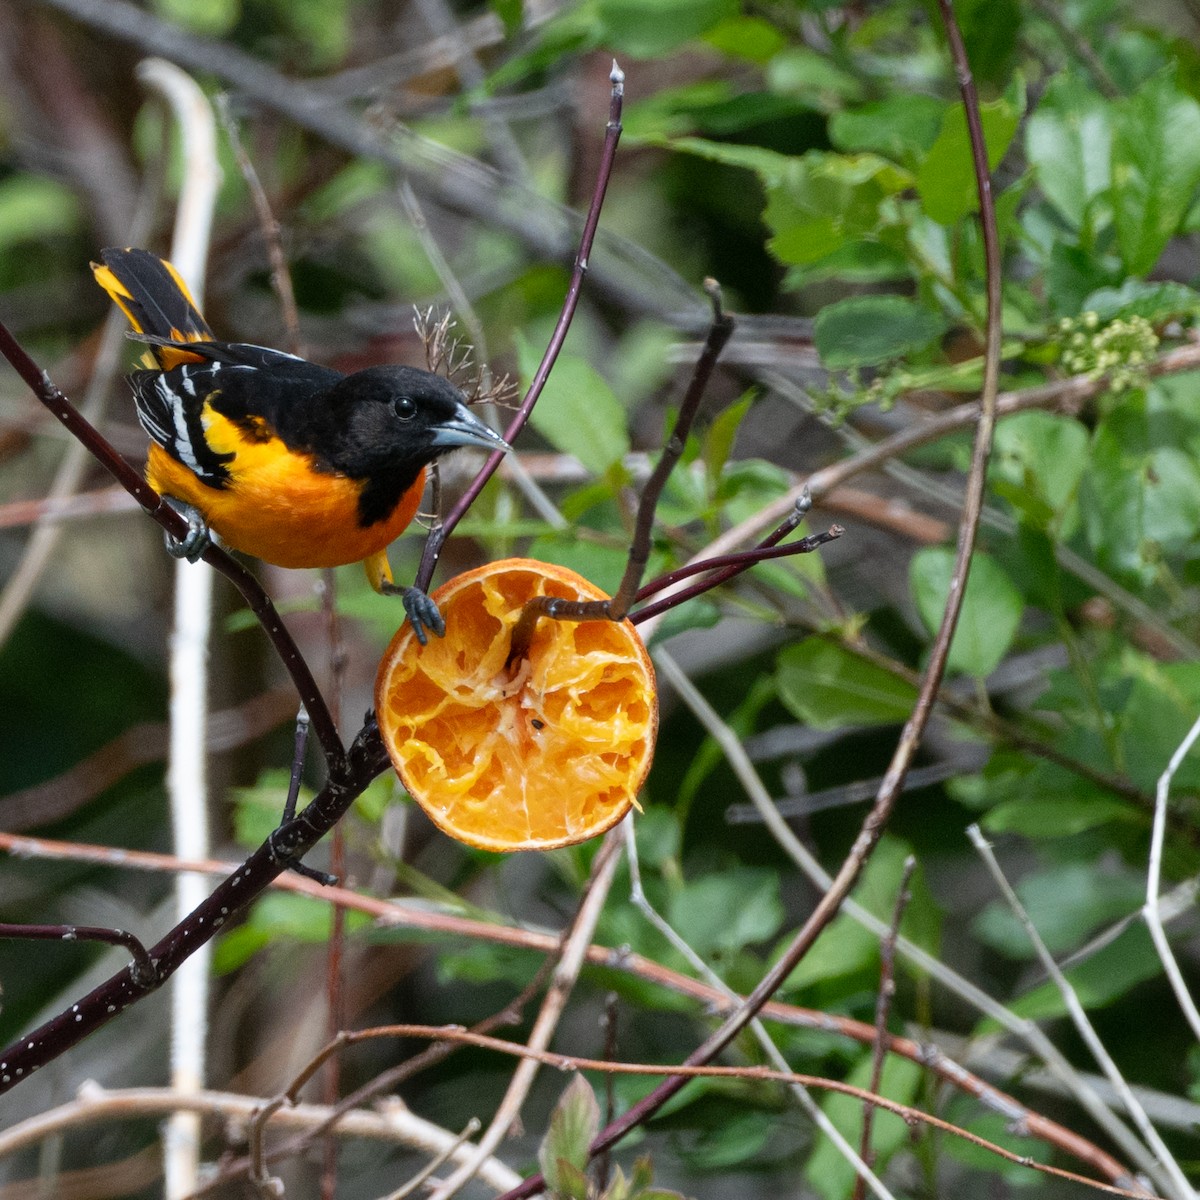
[[386, 417], [386, 423]]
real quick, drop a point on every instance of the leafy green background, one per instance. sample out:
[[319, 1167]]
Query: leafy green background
[[812, 157]]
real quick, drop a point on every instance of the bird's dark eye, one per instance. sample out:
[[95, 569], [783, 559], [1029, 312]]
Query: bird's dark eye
[[406, 407]]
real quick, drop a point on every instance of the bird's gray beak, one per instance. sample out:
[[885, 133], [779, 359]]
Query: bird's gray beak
[[464, 428]]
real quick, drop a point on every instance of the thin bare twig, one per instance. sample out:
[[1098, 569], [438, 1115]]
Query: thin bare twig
[[562, 983], [143, 964], [1167, 1171], [571, 1062], [1151, 910], [1027, 1030], [910, 737], [438, 535], [883, 1005], [272, 231], [394, 1124], [862, 1169]]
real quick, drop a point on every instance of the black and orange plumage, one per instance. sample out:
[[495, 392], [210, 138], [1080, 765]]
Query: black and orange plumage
[[291, 462]]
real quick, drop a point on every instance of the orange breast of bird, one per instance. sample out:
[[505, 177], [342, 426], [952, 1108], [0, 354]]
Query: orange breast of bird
[[278, 506]]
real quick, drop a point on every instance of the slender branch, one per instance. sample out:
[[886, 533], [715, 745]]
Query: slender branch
[[617, 606], [143, 967], [571, 1062], [156, 508], [719, 333], [1168, 1172], [724, 568], [1151, 910], [272, 231], [438, 536], [883, 1006], [348, 778], [93, 1104], [566, 974]]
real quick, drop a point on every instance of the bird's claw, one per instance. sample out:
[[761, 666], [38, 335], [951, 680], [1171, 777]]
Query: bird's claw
[[422, 612], [198, 538]]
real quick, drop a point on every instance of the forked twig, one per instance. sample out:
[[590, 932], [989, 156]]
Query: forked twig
[[571, 1062], [562, 983], [862, 1168], [616, 607], [446, 925]]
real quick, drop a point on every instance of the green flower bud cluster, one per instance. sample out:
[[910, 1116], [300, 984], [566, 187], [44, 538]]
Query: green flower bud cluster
[[1120, 349]]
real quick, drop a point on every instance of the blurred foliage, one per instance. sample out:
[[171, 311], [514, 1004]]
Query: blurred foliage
[[812, 156]]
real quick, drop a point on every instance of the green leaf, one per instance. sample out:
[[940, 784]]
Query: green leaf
[[848, 952], [573, 1125], [871, 329], [820, 202], [991, 610], [812, 77], [749, 38], [1155, 169], [257, 809], [646, 28], [1159, 708], [578, 413], [210, 17], [1156, 302], [1042, 455], [828, 687], [747, 899], [1068, 140], [1137, 499], [511, 14], [1043, 816], [32, 208], [769, 165], [899, 127], [1066, 903], [1106, 976], [718, 437], [276, 917], [946, 181]]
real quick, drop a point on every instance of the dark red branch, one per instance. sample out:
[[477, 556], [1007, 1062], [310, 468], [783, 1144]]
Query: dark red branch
[[439, 533], [348, 778], [249, 587]]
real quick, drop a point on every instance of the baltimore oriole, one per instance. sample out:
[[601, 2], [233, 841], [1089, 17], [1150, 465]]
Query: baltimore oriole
[[291, 462]]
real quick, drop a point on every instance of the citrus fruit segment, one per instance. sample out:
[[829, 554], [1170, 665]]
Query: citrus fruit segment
[[543, 752]]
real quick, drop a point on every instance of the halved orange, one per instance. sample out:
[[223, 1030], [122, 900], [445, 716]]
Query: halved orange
[[545, 752]]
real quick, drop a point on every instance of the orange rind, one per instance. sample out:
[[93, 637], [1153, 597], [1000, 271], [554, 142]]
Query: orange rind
[[546, 751]]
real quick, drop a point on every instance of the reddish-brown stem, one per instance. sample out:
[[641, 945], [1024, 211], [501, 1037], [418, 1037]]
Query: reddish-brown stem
[[723, 569], [439, 534], [883, 1006], [617, 606], [142, 969], [252, 591]]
